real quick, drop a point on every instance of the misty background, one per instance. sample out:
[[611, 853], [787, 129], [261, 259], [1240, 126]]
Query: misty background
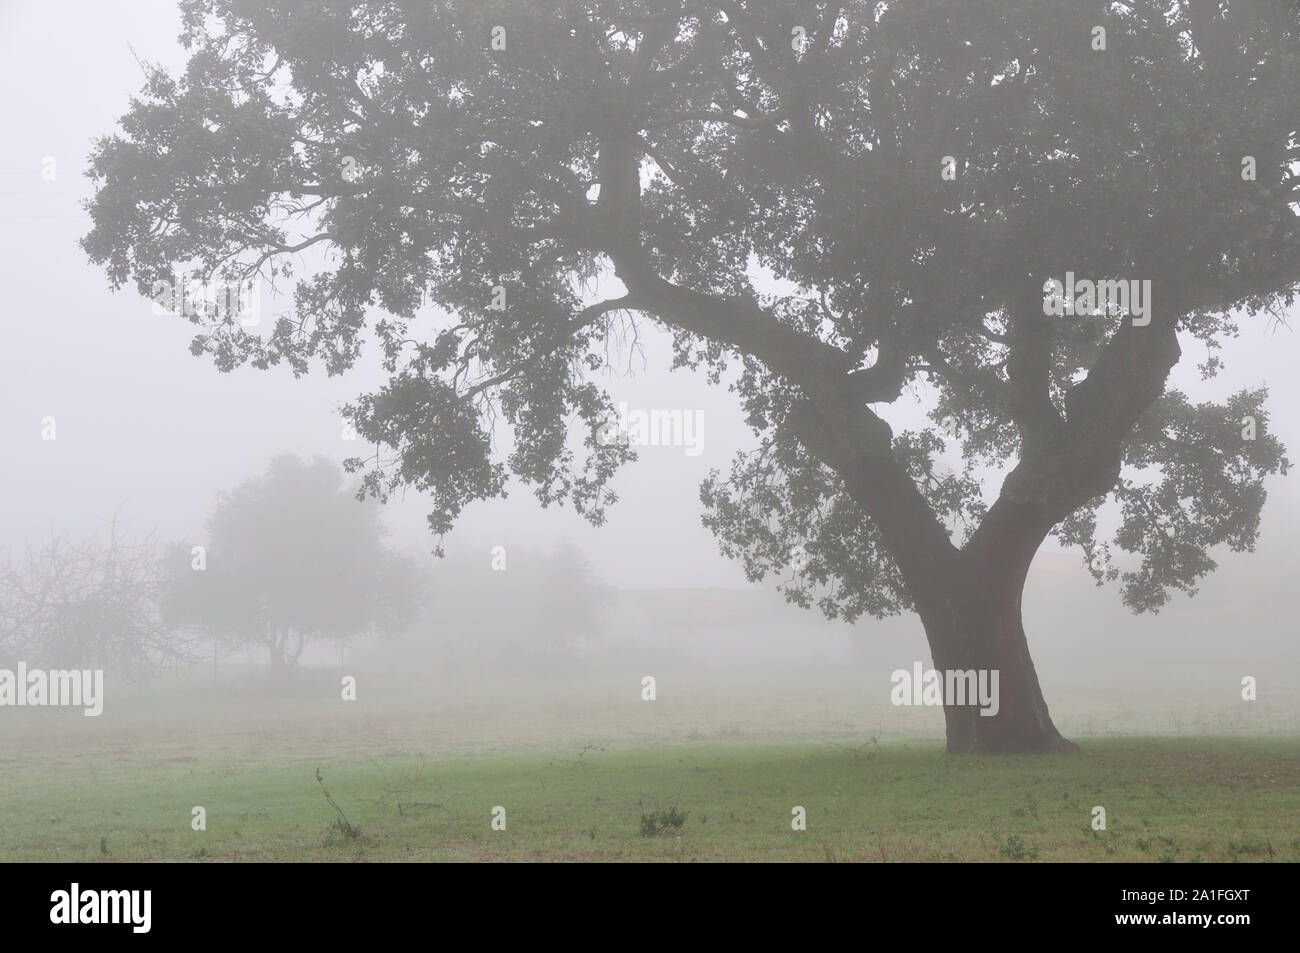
[[148, 436]]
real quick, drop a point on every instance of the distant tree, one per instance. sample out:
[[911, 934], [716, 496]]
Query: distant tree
[[95, 603], [544, 605], [290, 557], [572, 601]]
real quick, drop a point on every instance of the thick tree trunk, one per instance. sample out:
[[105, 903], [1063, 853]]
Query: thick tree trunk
[[972, 619], [985, 634]]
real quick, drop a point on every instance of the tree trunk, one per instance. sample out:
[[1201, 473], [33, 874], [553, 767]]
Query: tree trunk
[[280, 663], [985, 634], [284, 661], [973, 621], [968, 599]]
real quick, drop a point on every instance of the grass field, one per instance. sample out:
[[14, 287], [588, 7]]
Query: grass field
[[588, 775], [1166, 800]]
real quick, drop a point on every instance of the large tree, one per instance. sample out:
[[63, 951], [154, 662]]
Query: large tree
[[832, 203]]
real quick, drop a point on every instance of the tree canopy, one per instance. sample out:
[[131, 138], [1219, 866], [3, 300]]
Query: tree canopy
[[497, 189]]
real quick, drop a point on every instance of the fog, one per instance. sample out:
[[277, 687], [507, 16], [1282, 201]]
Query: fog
[[148, 436]]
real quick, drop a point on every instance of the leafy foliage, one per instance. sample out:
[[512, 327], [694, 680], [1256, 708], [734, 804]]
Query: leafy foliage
[[693, 153], [292, 556]]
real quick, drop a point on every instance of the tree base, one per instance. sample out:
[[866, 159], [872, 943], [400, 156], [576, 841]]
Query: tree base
[[1004, 746]]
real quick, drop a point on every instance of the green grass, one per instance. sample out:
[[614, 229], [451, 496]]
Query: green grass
[[1189, 799]]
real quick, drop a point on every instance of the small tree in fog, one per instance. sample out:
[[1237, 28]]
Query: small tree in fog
[[571, 600], [290, 557], [544, 607], [93, 603]]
